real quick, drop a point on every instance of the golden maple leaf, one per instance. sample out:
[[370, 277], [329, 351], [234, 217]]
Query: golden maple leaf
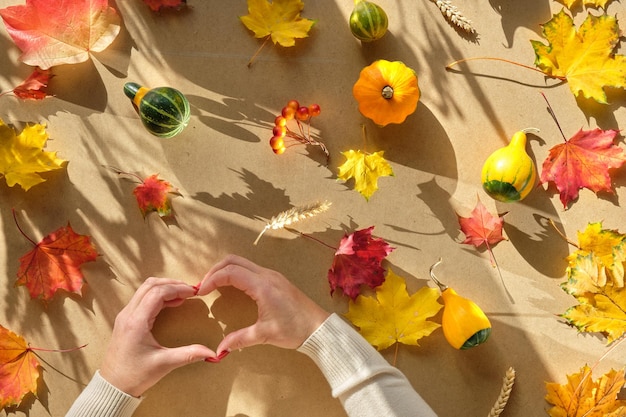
[[279, 19], [394, 316], [604, 248], [582, 396], [22, 156], [585, 57], [592, 3], [365, 169]]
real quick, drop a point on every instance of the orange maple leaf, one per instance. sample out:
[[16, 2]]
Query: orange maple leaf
[[152, 195], [19, 369], [582, 396], [583, 161], [54, 263], [55, 32]]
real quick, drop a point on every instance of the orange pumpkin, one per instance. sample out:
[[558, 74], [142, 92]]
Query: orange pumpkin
[[387, 92]]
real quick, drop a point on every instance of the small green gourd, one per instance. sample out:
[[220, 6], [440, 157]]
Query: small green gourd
[[463, 323], [164, 111], [509, 173], [368, 21]]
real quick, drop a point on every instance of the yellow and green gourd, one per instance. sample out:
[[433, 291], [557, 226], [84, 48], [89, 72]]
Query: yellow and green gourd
[[164, 111], [368, 21], [509, 173], [464, 324]]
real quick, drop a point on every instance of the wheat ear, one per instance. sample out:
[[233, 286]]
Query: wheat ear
[[454, 15], [293, 215], [505, 393]]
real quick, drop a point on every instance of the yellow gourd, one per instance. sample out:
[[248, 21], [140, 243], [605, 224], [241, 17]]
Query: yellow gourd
[[464, 324], [509, 173]]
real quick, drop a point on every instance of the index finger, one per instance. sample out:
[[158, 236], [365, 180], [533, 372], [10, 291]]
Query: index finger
[[209, 283], [159, 296], [233, 275]]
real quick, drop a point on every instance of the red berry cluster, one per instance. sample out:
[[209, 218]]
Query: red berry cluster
[[302, 115]]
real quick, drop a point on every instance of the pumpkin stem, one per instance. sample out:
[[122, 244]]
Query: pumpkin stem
[[387, 92], [441, 286]]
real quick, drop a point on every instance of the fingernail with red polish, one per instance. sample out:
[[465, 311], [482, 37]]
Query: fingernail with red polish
[[219, 357], [196, 288]]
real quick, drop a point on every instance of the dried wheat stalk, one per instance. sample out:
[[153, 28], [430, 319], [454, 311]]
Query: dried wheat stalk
[[293, 215], [454, 15], [505, 393]]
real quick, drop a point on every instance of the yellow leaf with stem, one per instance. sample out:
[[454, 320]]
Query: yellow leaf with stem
[[394, 316], [593, 3], [585, 57], [365, 168], [278, 20]]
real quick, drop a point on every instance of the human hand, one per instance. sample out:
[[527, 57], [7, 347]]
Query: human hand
[[286, 316], [134, 360]]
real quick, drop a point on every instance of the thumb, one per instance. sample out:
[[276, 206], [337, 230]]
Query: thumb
[[239, 339], [184, 355]]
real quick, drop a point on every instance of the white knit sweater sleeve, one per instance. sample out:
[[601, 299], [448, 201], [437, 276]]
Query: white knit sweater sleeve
[[101, 399], [365, 383]]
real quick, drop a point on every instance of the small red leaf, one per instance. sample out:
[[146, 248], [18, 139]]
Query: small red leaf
[[157, 5], [357, 262], [482, 228], [33, 86], [152, 195]]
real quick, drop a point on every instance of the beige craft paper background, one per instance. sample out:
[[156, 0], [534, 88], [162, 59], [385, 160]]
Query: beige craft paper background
[[231, 182]]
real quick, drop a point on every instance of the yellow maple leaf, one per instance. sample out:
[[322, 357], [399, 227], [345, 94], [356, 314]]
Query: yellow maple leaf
[[602, 311], [585, 58], [394, 316], [604, 248], [365, 169], [279, 19], [592, 3], [22, 156], [582, 396]]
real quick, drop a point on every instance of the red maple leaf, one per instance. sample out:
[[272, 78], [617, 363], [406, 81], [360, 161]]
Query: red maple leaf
[[55, 32], [153, 195], [54, 263], [157, 5], [19, 369], [482, 228], [583, 161], [32, 87], [357, 262]]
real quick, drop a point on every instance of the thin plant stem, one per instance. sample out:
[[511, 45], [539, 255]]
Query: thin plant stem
[[297, 232], [267, 38], [449, 66], [551, 111], [20, 228], [562, 235]]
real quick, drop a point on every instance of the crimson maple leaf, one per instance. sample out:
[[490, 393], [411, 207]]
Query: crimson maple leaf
[[482, 228], [357, 262], [54, 263], [32, 87], [583, 161], [19, 369]]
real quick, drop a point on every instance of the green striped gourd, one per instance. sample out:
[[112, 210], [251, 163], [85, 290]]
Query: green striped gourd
[[368, 21], [509, 173], [164, 111]]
